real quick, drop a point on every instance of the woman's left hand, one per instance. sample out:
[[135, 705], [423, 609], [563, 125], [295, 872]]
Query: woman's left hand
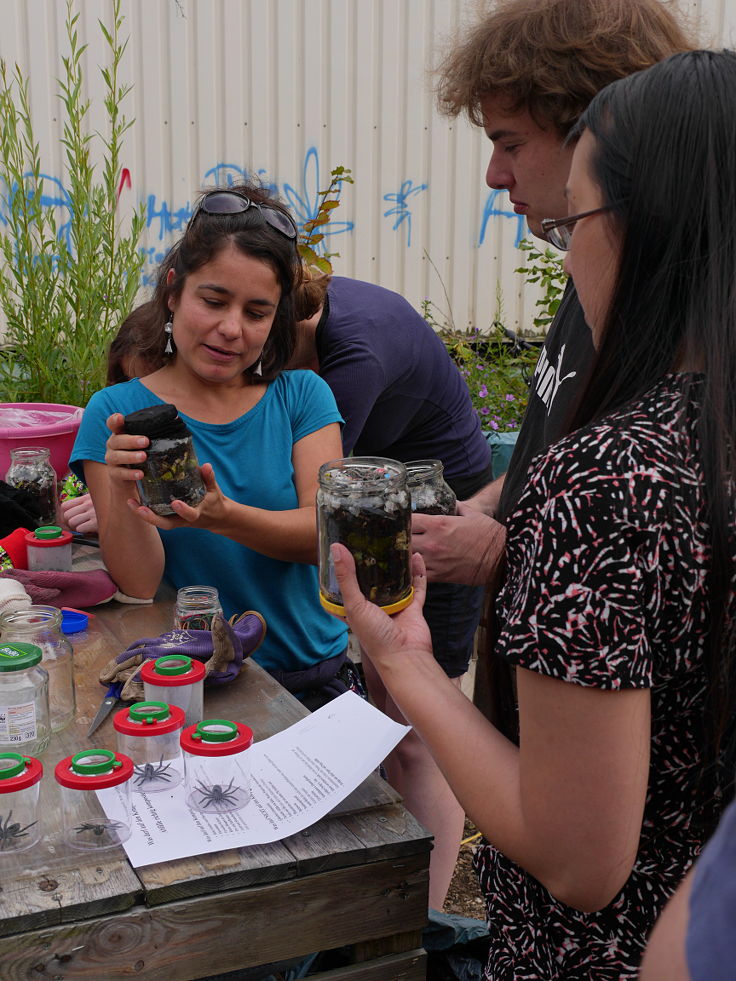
[[383, 637], [209, 513]]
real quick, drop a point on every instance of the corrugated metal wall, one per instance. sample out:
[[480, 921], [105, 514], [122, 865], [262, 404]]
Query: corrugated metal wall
[[287, 90]]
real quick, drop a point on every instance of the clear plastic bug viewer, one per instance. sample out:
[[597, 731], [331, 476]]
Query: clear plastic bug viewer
[[176, 680], [217, 765], [95, 798], [19, 787], [148, 732]]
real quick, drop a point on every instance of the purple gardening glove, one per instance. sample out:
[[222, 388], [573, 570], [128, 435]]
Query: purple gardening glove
[[222, 650]]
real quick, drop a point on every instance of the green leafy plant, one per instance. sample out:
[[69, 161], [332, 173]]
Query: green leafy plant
[[64, 286], [544, 266], [312, 233]]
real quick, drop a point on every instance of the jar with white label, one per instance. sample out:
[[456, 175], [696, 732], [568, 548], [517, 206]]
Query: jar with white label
[[19, 819], [148, 732], [24, 700], [95, 798], [217, 765]]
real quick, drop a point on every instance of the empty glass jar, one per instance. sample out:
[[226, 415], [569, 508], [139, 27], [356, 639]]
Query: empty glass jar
[[19, 787], [31, 471], [95, 798], [41, 626], [429, 492], [363, 503]]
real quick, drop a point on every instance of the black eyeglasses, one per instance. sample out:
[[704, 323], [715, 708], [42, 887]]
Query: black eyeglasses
[[234, 203], [559, 230]]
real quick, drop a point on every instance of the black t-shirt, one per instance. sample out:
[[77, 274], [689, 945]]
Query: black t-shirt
[[562, 368]]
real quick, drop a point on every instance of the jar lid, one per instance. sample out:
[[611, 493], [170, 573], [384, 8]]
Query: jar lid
[[17, 657], [338, 609], [93, 769], [48, 536], [216, 737], [157, 422], [172, 670], [359, 474], [148, 719], [18, 772]]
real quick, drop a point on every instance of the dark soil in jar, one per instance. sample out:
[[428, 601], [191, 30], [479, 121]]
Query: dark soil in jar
[[170, 474], [379, 543], [39, 496]]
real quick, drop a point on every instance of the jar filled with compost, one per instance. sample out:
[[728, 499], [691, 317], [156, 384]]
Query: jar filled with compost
[[95, 798], [41, 626], [24, 700], [217, 765], [31, 471], [196, 607], [363, 503], [430, 494], [171, 469], [19, 787]]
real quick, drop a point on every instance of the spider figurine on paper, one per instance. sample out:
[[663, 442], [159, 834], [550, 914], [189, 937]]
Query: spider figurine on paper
[[98, 830], [216, 795], [151, 772], [9, 833]]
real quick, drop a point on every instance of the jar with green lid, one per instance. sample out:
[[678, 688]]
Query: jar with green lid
[[176, 679], [31, 471], [217, 765], [20, 778], [95, 798], [41, 626], [171, 469], [49, 549], [148, 732], [430, 494], [363, 503], [24, 699]]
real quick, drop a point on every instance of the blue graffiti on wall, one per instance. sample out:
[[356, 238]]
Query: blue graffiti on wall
[[401, 210], [490, 210]]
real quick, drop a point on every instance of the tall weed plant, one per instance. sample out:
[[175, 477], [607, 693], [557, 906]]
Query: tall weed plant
[[64, 286]]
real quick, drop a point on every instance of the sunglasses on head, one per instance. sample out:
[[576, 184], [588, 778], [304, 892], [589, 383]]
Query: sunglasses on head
[[234, 203]]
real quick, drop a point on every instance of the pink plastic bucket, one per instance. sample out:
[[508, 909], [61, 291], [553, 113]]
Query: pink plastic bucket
[[38, 424]]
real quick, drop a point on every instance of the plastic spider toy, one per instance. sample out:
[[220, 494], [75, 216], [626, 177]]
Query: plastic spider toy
[[10, 832], [98, 830], [150, 772], [217, 796]]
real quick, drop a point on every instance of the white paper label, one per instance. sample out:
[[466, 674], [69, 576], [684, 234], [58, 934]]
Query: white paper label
[[18, 723]]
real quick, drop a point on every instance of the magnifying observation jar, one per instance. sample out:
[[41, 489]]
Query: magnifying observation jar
[[24, 699], [430, 494], [41, 626], [176, 680], [19, 786], [217, 765], [171, 469], [95, 798], [148, 732], [49, 549], [364, 504]]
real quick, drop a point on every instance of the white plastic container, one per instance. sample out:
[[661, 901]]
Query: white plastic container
[[148, 732], [95, 798], [176, 680], [19, 786], [217, 765], [49, 549]]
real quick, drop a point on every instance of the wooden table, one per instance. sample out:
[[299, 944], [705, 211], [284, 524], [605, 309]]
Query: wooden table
[[359, 877]]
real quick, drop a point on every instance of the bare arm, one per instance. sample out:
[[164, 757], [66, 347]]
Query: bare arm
[[664, 958], [464, 547], [567, 804], [488, 497]]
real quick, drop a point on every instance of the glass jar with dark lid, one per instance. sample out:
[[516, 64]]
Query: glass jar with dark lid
[[171, 469], [430, 494]]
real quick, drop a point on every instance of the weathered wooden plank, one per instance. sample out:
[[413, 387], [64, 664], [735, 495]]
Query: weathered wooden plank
[[389, 832], [324, 846], [411, 966], [198, 937]]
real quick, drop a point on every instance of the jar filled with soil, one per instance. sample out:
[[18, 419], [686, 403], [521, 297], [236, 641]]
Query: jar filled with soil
[[171, 469], [31, 471], [364, 504], [430, 494]]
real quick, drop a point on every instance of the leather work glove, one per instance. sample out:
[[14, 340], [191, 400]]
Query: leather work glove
[[222, 650]]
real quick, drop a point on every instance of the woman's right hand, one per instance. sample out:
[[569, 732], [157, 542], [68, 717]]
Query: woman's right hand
[[124, 454]]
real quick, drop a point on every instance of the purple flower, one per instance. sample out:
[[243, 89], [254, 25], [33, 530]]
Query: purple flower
[[510, 398], [484, 410], [482, 391], [494, 424]]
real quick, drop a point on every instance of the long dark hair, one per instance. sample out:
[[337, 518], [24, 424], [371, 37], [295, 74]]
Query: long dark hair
[[204, 238], [665, 160]]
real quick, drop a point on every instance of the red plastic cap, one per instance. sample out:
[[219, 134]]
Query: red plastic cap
[[31, 774], [121, 770], [64, 538], [201, 747], [156, 727], [151, 675]]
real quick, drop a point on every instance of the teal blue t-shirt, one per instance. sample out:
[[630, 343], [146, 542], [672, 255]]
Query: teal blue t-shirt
[[252, 460]]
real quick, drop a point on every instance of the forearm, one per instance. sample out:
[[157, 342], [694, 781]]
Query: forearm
[[290, 536], [488, 497]]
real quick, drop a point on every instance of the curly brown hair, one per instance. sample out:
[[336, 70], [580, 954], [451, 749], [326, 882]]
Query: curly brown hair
[[550, 57]]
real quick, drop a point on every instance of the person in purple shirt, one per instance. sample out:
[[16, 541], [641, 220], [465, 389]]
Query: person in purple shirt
[[402, 397]]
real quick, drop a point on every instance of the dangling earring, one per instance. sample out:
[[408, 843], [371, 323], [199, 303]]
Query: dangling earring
[[258, 370], [168, 327]]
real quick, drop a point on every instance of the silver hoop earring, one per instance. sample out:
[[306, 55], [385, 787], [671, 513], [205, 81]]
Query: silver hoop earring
[[168, 327]]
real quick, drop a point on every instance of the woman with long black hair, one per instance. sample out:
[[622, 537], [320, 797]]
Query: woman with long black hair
[[618, 608]]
